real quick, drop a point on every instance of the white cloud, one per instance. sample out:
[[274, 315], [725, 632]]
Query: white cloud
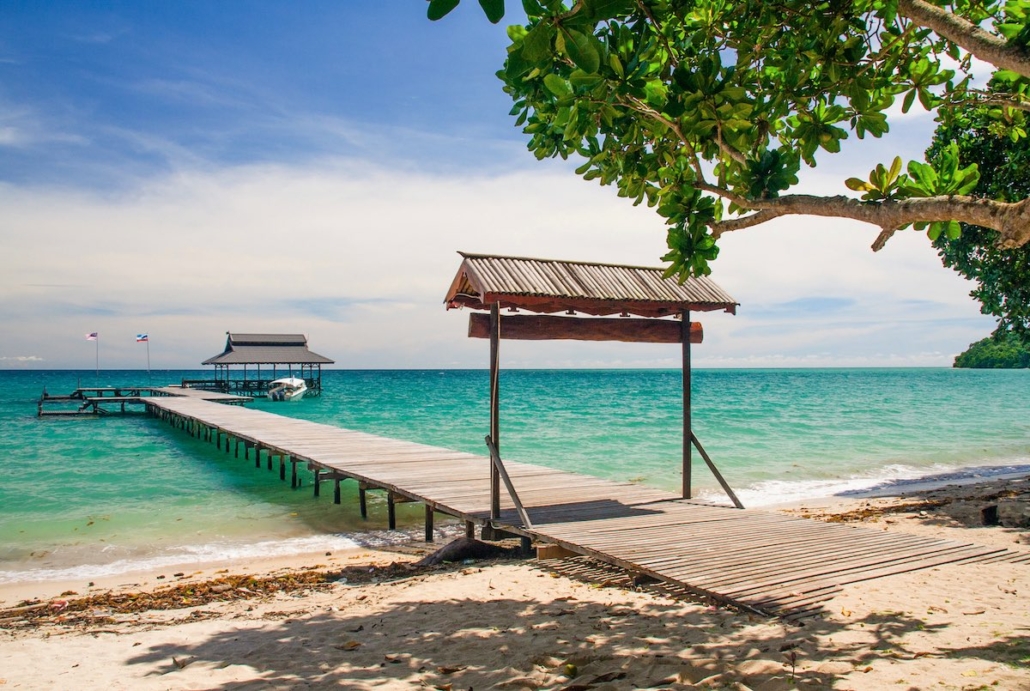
[[359, 257]]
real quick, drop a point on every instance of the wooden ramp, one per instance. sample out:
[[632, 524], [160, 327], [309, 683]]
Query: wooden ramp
[[763, 561]]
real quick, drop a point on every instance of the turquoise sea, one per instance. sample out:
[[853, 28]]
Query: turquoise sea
[[81, 498]]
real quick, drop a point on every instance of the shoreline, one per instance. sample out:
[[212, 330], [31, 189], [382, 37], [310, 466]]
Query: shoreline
[[383, 542], [956, 487], [532, 624]]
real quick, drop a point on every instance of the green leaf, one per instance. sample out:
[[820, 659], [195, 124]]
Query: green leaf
[[603, 10], [581, 51], [494, 9], [438, 9], [616, 65], [557, 86], [895, 168], [532, 8], [581, 79], [858, 184], [910, 98], [537, 44]]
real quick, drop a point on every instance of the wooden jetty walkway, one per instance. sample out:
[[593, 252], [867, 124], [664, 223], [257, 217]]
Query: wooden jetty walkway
[[97, 400], [762, 561]]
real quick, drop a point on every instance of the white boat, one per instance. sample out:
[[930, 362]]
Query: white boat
[[287, 389]]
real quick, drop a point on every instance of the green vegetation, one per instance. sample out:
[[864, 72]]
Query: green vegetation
[[1002, 275], [707, 109], [1002, 351]]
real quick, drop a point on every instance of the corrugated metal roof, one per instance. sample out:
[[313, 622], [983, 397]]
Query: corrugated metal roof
[[267, 349], [544, 285], [268, 339], [268, 355]]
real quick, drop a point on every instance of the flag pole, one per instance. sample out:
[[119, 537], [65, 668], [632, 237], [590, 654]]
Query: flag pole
[[98, 359], [149, 380]]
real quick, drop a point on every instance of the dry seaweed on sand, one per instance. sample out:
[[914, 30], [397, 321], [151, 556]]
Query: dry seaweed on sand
[[101, 607]]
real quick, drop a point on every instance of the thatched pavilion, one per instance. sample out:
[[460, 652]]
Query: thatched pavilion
[[239, 367]]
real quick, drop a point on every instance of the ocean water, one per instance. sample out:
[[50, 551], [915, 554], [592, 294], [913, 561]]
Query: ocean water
[[81, 498]]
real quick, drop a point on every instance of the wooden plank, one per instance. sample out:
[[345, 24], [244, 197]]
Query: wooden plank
[[762, 561], [537, 327]]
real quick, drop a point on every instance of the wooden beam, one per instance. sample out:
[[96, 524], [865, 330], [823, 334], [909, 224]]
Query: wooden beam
[[527, 327], [493, 332]]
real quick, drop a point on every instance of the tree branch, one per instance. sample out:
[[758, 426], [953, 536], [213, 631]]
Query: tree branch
[[967, 35], [1011, 220], [646, 110]]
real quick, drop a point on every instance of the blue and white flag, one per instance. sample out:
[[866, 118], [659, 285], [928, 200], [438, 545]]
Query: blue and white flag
[[92, 336], [140, 338]]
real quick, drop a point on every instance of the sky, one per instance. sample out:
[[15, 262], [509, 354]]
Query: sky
[[191, 168]]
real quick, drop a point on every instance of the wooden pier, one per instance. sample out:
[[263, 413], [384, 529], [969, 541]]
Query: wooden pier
[[97, 400], [762, 561]]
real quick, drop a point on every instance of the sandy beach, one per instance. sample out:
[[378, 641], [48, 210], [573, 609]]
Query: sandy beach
[[366, 619]]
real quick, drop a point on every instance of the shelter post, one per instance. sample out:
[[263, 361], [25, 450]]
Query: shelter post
[[687, 431], [495, 406]]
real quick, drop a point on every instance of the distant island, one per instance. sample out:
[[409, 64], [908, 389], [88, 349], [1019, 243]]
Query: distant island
[[1009, 351]]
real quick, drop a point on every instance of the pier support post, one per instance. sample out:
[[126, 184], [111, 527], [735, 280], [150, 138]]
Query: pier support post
[[391, 511], [294, 482], [495, 407], [270, 465], [429, 523], [257, 456], [336, 491], [318, 480], [470, 530], [687, 433], [363, 500], [282, 469], [237, 447]]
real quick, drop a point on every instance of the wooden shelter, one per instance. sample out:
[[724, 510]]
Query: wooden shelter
[[650, 309], [280, 354]]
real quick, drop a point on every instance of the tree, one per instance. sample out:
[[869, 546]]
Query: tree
[[1002, 275], [707, 109], [1001, 351]]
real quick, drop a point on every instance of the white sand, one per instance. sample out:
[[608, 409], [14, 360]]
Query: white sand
[[517, 625]]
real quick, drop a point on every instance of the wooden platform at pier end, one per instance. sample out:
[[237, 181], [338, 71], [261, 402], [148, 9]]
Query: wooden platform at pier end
[[762, 561]]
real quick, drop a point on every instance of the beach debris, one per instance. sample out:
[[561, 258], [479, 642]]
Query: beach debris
[[465, 548], [104, 607], [349, 645], [450, 669], [182, 663]]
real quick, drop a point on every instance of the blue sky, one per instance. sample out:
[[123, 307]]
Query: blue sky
[[190, 168]]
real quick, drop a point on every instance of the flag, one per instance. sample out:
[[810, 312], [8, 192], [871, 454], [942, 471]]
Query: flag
[[92, 337], [141, 338]]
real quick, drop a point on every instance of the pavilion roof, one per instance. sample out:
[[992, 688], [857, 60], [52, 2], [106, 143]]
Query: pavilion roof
[[548, 285], [267, 349]]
